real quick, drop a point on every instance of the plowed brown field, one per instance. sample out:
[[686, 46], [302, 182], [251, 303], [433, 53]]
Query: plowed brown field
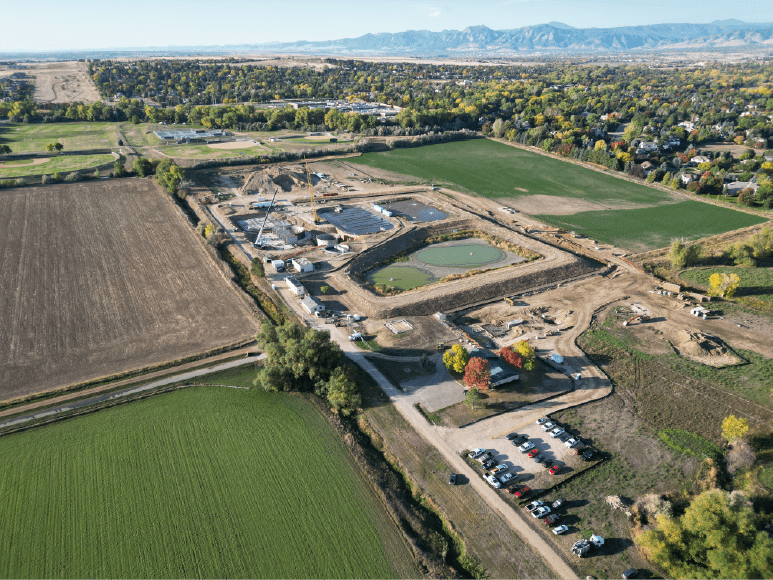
[[99, 278]]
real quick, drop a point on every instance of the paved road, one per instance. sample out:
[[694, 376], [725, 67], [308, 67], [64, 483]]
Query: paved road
[[128, 391]]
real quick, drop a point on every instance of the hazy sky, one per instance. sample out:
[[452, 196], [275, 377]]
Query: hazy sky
[[85, 24]]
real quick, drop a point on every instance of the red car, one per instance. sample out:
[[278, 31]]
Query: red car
[[533, 453], [523, 491], [554, 470]]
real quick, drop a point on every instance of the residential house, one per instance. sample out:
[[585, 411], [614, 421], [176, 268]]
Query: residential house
[[733, 189]]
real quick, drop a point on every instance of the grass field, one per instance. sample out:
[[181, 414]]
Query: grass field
[[654, 227], [33, 138], [495, 170], [208, 152], [55, 165], [200, 483], [756, 283], [103, 277]]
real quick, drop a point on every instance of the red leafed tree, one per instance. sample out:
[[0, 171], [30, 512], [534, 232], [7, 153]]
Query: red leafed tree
[[476, 374], [511, 357]]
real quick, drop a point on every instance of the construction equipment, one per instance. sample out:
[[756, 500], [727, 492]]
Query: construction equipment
[[311, 193], [638, 317], [259, 240], [510, 301]]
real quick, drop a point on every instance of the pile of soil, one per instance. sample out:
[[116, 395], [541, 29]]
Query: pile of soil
[[703, 348], [273, 179]]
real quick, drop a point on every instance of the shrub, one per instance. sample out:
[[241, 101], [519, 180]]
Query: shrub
[[20, 182], [73, 177], [47, 179]]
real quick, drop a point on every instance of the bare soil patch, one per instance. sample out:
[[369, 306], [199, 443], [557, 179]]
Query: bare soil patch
[[63, 82], [36, 161], [233, 145], [555, 205], [104, 277]]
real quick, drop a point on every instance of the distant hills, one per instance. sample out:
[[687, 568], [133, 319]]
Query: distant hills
[[480, 41], [555, 37]]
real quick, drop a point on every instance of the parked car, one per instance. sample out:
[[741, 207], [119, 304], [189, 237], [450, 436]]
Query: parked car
[[565, 437], [506, 478], [485, 457], [492, 481], [533, 453], [551, 519], [538, 459], [526, 447], [560, 529], [511, 436], [547, 426], [630, 573], [587, 455], [572, 442], [558, 503], [554, 470], [540, 512], [542, 420], [523, 492], [519, 440], [452, 479], [501, 468], [557, 432], [513, 489], [475, 453], [532, 505], [489, 464]]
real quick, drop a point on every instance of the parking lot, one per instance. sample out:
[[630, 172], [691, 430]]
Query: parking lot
[[552, 451]]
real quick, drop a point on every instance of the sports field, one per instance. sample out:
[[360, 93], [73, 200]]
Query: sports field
[[33, 138], [629, 215], [205, 482], [654, 227]]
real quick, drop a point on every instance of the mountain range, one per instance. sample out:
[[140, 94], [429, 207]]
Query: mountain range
[[554, 37]]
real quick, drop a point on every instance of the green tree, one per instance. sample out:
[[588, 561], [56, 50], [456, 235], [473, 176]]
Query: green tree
[[472, 397], [58, 146], [298, 358], [342, 391], [747, 197], [169, 175], [682, 256], [734, 428], [325, 289], [142, 167], [118, 169], [476, 374], [456, 358], [715, 538]]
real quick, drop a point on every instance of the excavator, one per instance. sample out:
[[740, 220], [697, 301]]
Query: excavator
[[637, 318]]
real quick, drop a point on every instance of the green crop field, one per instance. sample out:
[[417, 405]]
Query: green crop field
[[654, 227], [54, 164], [755, 282], [205, 482], [33, 138], [495, 170]]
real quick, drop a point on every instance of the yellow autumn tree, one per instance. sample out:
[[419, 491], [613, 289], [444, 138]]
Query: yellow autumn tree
[[724, 285], [734, 428], [523, 348], [456, 358]]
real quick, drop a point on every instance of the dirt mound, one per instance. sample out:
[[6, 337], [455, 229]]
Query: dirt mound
[[703, 348], [273, 179]]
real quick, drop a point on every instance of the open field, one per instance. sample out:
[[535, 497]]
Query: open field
[[29, 138], [190, 485], [63, 82], [495, 170], [756, 283], [630, 215], [672, 392], [654, 227], [52, 165], [102, 277]]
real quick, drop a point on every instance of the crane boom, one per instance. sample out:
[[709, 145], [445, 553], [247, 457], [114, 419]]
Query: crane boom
[[311, 193]]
